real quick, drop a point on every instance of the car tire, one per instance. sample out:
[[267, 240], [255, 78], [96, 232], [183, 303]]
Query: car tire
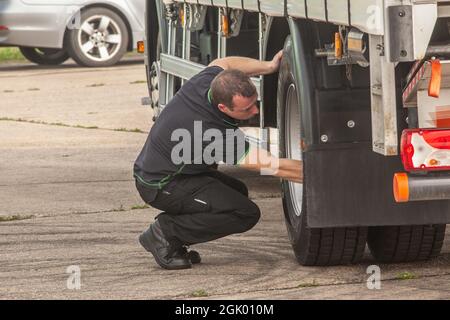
[[393, 244], [312, 246], [101, 40], [45, 56]]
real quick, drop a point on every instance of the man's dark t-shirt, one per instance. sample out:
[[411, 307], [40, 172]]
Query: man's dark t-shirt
[[189, 120]]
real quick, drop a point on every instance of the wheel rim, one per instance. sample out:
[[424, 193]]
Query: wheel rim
[[100, 38], [293, 149], [154, 85]]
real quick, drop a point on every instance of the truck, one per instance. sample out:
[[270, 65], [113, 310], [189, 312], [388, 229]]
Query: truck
[[362, 98]]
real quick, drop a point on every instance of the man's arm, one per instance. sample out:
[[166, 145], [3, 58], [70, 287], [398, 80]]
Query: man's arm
[[249, 66], [261, 160]]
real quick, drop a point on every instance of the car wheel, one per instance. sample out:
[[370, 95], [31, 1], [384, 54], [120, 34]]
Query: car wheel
[[101, 40], [45, 56], [312, 246]]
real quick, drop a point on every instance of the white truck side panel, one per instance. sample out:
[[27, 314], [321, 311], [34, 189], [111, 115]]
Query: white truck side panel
[[205, 2], [338, 11], [366, 15], [235, 4], [316, 10], [272, 7], [251, 5], [296, 7]]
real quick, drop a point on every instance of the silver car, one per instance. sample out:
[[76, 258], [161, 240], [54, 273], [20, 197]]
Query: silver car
[[93, 33]]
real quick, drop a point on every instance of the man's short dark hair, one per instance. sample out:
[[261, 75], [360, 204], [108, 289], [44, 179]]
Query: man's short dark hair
[[230, 83]]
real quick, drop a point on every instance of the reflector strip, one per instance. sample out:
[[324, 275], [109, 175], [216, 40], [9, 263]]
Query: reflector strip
[[141, 47], [337, 45], [434, 87], [401, 187], [414, 82], [225, 26]]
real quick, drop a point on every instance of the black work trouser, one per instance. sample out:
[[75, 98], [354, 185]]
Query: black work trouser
[[204, 207]]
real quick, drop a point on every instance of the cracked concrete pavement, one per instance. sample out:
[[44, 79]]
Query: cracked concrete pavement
[[77, 186]]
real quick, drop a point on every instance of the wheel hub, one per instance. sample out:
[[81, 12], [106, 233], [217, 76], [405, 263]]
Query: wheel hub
[[98, 38]]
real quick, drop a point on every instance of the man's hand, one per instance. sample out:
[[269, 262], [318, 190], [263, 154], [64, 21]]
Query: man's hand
[[274, 65], [263, 161]]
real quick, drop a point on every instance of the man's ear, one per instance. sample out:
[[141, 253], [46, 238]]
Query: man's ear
[[222, 107]]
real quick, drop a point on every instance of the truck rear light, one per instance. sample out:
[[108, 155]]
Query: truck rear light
[[3, 28], [425, 149]]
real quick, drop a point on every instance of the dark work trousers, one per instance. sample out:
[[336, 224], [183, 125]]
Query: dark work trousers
[[204, 207]]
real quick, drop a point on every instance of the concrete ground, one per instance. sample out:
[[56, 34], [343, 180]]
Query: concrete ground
[[68, 140]]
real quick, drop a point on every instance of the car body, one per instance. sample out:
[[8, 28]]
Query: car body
[[45, 23]]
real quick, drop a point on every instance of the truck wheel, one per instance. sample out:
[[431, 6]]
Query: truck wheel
[[406, 243], [101, 40], [45, 56], [312, 246]]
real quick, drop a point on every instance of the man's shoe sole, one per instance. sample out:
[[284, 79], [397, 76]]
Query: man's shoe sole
[[150, 249]]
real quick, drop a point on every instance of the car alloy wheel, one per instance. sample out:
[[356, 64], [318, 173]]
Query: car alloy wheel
[[99, 38]]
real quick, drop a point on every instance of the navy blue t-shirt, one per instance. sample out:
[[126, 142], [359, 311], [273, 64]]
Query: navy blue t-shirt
[[190, 136]]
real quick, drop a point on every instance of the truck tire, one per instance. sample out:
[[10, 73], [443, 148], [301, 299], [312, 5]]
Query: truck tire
[[312, 246], [391, 244], [45, 56], [101, 41]]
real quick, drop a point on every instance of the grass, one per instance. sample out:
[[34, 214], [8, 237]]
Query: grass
[[85, 127], [138, 82], [139, 207], [14, 218], [59, 124], [406, 276], [10, 54], [129, 130], [199, 293], [308, 284]]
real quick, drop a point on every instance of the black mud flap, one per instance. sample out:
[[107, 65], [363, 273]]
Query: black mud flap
[[352, 186]]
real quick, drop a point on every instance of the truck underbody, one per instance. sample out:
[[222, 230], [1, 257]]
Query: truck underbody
[[351, 83]]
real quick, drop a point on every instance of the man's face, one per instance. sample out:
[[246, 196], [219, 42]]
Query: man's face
[[243, 108]]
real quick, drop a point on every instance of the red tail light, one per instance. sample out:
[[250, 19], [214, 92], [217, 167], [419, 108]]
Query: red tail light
[[3, 28], [426, 149]]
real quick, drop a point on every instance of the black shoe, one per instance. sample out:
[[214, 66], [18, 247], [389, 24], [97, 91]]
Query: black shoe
[[192, 255], [166, 256]]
